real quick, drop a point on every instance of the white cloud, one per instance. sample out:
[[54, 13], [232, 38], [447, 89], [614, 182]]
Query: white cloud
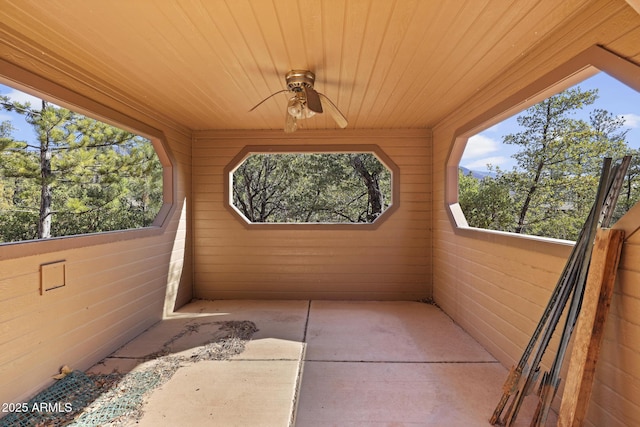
[[630, 119], [481, 164], [22, 97], [494, 129], [479, 146]]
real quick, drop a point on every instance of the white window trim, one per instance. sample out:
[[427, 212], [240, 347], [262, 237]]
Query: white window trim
[[35, 85], [584, 65], [289, 149]]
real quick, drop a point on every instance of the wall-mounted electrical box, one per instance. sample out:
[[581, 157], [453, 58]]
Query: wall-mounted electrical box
[[52, 276]]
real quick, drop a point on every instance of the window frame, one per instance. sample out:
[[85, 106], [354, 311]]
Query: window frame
[[586, 64], [40, 87], [249, 150]]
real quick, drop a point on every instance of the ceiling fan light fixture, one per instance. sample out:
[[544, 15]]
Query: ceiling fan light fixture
[[298, 108], [294, 107], [306, 102]]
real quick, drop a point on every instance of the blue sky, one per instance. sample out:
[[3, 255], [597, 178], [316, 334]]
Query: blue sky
[[615, 97], [23, 131], [482, 149]]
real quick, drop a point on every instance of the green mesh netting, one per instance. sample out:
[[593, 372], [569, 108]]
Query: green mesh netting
[[125, 399], [94, 400], [58, 404]]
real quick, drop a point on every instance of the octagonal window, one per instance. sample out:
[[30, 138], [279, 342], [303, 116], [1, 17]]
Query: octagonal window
[[63, 173], [536, 172], [312, 187]]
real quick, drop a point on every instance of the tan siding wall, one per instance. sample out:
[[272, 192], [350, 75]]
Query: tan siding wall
[[391, 262], [495, 286], [116, 286]]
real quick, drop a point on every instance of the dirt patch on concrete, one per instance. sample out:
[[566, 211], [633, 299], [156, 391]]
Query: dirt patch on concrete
[[117, 399]]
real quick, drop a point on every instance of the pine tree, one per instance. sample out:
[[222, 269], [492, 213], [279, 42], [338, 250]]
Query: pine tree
[[559, 161], [78, 176]]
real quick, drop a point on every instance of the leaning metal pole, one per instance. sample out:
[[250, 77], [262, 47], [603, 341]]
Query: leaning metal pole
[[522, 376], [515, 378], [567, 288], [578, 283], [551, 379]]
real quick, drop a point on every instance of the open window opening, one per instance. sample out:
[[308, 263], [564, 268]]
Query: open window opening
[[64, 173], [535, 172], [293, 186]]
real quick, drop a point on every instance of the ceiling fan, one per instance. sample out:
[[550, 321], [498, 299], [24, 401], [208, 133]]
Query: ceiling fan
[[305, 101]]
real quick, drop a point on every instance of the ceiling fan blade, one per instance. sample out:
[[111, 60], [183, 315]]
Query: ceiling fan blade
[[313, 99], [273, 94], [290, 124], [340, 119]]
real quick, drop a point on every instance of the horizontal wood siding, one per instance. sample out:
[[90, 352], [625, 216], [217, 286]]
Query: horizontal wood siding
[[496, 286], [114, 289], [390, 262]]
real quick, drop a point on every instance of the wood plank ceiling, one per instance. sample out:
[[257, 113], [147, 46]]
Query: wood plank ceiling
[[204, 64]]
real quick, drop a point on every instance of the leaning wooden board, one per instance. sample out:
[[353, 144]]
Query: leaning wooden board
[[590, 327]]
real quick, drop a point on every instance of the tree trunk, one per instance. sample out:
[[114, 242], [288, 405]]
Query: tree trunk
[[536, 179], [375, 196], [527, 201], [44, 220]]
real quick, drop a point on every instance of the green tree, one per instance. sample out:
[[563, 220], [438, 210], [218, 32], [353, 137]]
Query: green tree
[[559, 162], [79, 175], [371, 171], [259, 184], [315, 187], [486, 202], [551, 190]]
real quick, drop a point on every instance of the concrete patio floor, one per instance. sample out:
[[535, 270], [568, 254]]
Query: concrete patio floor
[[321, 363]]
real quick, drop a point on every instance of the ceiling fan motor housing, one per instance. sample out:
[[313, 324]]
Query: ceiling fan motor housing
[[297, 79], [306, 101]]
